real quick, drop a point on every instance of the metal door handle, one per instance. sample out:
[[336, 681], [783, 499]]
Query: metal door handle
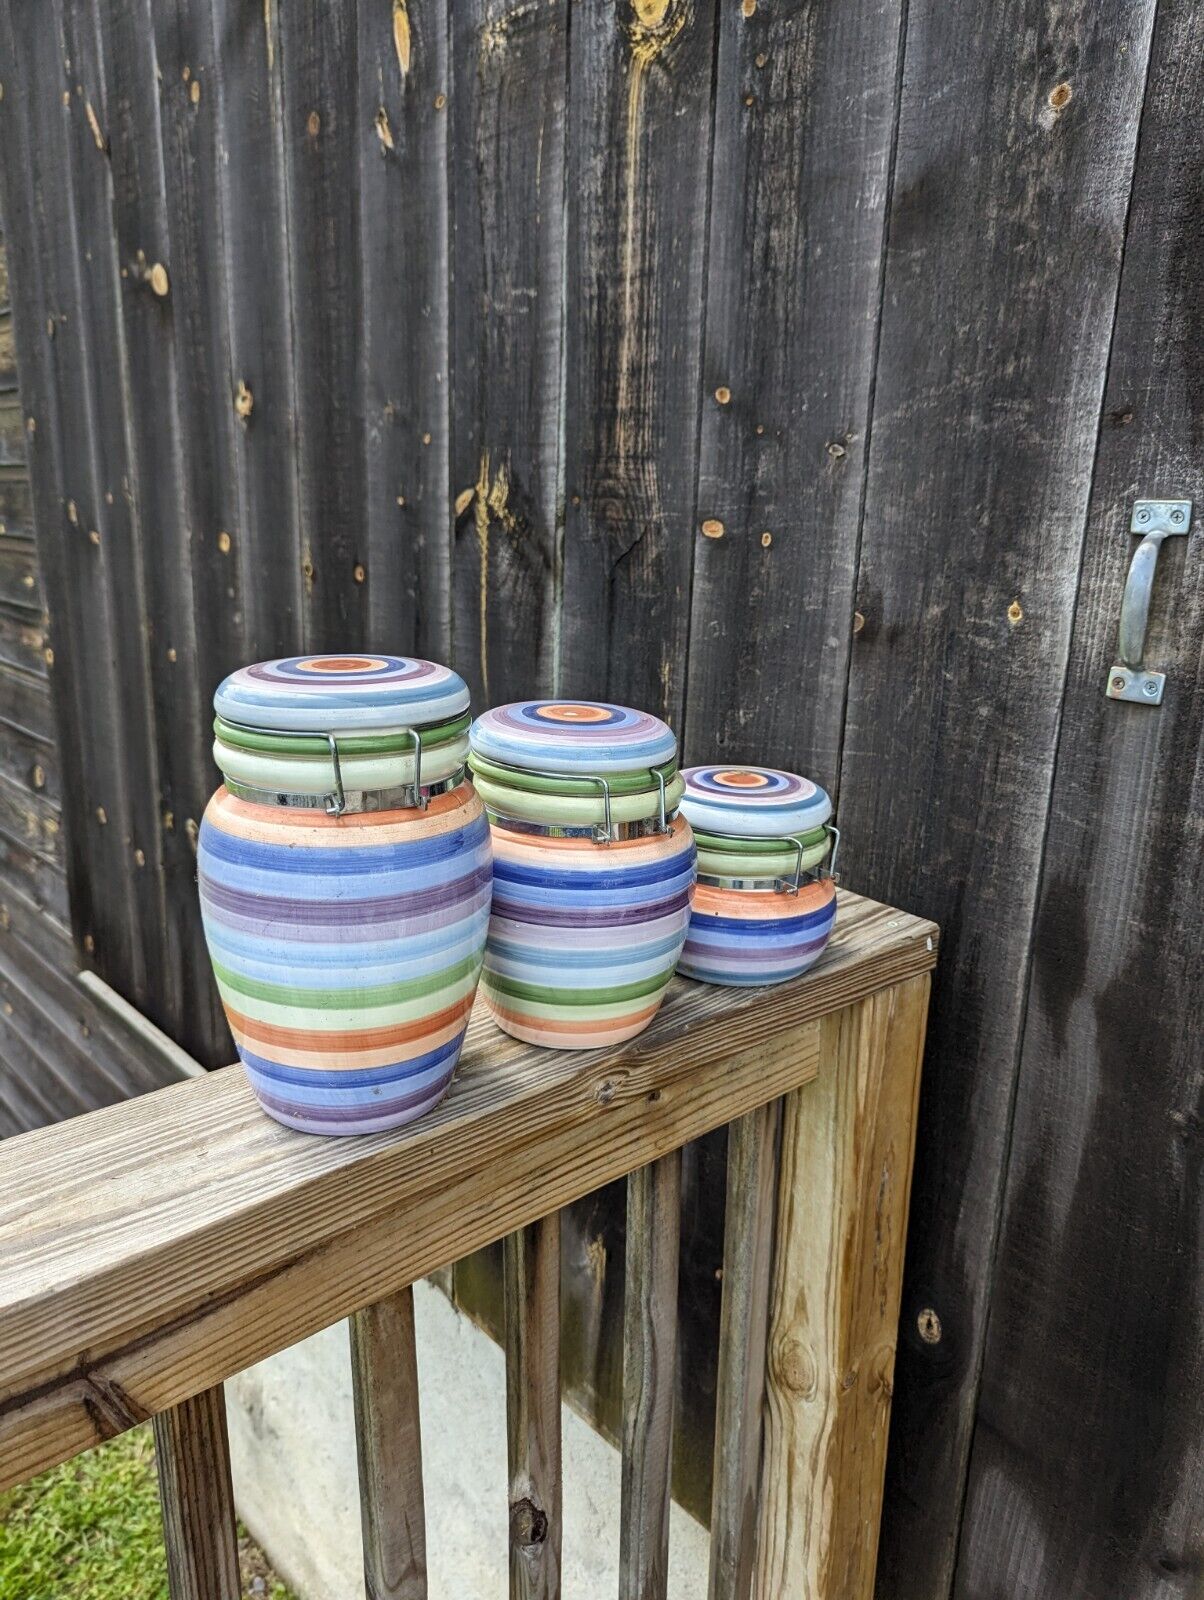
[[1127, 678]]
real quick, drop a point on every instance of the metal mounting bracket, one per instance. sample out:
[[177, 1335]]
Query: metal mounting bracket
[[1128, 679]]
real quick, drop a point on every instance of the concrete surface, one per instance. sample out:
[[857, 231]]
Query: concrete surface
[[293, 1447]]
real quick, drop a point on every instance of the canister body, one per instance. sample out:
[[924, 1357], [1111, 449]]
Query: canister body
[[584, 936], [347, 951], [757, 936]]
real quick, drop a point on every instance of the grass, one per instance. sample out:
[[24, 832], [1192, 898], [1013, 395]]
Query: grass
[[91, 1530]]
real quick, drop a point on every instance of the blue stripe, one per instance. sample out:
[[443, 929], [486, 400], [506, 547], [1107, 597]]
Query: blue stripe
[[250, 854], [607, 878], [357, 1078]]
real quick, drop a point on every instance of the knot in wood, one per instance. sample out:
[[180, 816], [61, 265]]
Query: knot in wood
[[528, 1524], [794, 1368]]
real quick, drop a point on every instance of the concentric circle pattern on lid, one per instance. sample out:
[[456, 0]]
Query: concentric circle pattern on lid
[[339, 693], [572, 736], [753, 802]]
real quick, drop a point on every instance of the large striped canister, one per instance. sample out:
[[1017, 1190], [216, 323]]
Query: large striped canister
[[766, 897], [593, 868], [345, 874]]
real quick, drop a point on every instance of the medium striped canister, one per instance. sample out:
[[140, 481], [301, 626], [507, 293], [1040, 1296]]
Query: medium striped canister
[[766, 900], [593, 869], [345, 874]]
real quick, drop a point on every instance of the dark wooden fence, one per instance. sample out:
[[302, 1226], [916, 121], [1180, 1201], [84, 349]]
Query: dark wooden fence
[[785, 368]]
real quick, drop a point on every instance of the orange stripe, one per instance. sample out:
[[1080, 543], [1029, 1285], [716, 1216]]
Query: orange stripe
[[757, 905], [435, 807], [554, 1025], [351, 1038]]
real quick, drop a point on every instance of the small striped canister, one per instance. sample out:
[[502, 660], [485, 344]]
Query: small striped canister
[[345, 874], [766, 897], [593, 868]]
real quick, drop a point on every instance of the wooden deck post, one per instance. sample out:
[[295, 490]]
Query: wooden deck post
[[752, 1167], [384, 1372], [847, 1148], [649, 1372], [532, 1271], [192, 1452]]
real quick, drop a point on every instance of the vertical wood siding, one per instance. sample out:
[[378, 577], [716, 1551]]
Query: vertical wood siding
[[742, 359]]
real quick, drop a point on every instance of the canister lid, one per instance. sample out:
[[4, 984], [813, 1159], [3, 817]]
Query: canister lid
[[572, 736], [753, 802], [339, 693]]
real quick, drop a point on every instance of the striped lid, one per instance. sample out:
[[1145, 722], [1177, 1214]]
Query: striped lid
[[752, 802], [572, 736], [341, 693]]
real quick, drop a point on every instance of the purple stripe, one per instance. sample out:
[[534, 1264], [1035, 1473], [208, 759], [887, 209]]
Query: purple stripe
[[736, 950], [280, 908], [588, 916], [371, 1108]]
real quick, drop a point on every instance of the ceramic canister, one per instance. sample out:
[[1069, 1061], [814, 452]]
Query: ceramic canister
[[765, 902], [593, 868], [344, 871]]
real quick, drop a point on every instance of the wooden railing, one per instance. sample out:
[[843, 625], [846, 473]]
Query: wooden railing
[[149, 1251]]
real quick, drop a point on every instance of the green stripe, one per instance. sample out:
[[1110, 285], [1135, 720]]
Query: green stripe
[[382, 994], [576, 997], [642, 782], [396, 742], [747, 847]]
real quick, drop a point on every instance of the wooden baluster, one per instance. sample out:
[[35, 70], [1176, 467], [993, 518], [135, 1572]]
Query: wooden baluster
[[532, 1276], [847, 1147], [649, 1368], [192, 1452], [752, 1161], [384, 1376]]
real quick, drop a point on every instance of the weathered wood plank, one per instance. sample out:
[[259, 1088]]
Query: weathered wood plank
[[842, 1222], [12, 434], [752, 1175], [384, 1374], [322, 125], [8, 354], [805, 108], [402, 130], [1086, 1467], [1016, 135], [159, 349], [244, 97], [20, 575], [193, 1456], [638, 157], [649, 1376], [532, 1279], [191, 1213], [73, 483], [509, 68]]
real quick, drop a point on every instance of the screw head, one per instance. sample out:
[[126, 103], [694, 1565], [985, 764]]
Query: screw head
[[1118, 683], [1177, 515], [1149, 688], [1143, 516]]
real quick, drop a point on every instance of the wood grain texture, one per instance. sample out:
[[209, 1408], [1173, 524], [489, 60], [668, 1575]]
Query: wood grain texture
[[1086, 1467], [752, 1176], [1000, 283], [321, 123], [805, 106], [243, 98], [192, 1452], [404, 133], [638, 159], [71, 498], [842, 1221], [164, 348], [508, 217], [532, 1287], [388, 1434], [181, 1237], [649, 1376]]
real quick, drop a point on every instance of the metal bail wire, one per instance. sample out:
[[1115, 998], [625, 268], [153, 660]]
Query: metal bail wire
[[336, 803]]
